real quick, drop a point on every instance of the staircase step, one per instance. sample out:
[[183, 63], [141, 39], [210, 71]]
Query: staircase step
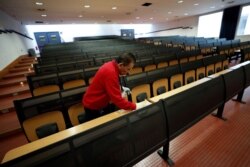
[[18, 74], [7, 105], [27, 61], [12, 81], [23, 65], [14, 90], [11, 120], [19, 69]]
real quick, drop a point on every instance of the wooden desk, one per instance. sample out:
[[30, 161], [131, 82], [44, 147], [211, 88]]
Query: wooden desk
[[44, 142], [179, 90], [240, 65], [219, 73]]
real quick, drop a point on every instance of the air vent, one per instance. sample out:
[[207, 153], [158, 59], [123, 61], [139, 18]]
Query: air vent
[[109, 21], [146, 4], [41, 10], [39, 22], [128, 13]]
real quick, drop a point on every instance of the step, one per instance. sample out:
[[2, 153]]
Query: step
[[12, 121], [12, 81], [19, 74], [19, 69], [23, 65], [14, 90], [7, 105], [27, 61]]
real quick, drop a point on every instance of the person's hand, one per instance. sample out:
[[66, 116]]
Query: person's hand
[[127, 90]]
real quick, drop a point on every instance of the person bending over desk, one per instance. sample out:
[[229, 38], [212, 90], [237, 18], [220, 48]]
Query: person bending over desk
[[106, 89]]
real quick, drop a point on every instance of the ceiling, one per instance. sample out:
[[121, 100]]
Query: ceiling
[[100, 11]]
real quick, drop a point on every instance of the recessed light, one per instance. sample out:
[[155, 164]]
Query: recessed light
[[114, 8], [185, 14], [212, 7], [80, 16], [137, 17], [87, 6], [151, 18], [169, 12], [39, 3], [196, 4], [180, 1], [44, 15], [166, 18]]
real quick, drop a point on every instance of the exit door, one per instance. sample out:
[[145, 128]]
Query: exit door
[[46, 38]]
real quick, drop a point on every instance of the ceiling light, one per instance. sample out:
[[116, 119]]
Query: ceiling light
[[114, 8], [180, 1], [212, 7], [44, 15], [151, 18], [185, 14], [87, 6], [137, 17], [196, 4], [80, 16], [169, 12], [39, 3]]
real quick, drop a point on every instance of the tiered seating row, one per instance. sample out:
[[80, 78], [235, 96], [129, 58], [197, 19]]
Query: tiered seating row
[[121, 138]]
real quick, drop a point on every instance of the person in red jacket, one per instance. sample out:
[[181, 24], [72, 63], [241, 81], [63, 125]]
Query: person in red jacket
[[105, 88]]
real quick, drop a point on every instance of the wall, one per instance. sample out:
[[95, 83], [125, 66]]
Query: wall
[[12, 45]]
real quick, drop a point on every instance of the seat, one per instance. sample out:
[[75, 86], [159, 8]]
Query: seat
[[45, 90], [140, 93], [43, 125], [225, 64], [189, 76], [162, 64], [198, 57], [210, 69], [173, 62], [218, 66], [76, 114], [135, 70], [73, 84], [176, 81], [200, 73], [160, 86], [150, 67]]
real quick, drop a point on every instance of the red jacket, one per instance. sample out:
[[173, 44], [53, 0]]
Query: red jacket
[[104, 88]]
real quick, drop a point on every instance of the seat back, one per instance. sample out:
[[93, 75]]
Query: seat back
[[43, 125], [160, 86], [76, 114], [140, 93]]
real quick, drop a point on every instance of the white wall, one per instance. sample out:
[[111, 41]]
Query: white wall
[[12, 45]]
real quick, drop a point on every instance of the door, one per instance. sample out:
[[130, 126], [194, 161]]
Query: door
[[47, 38]]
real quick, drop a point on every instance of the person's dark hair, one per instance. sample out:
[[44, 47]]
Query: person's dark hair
[[126, 59]]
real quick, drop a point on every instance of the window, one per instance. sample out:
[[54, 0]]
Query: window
[[244, 24], [209, 25]]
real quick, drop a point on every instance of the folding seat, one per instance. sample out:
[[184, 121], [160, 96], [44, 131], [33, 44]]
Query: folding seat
[[175, 76], [45, 90], [71, 79], [200, 69], [135, 70], [162, 64], [43, 125], [158, 79], [150, 67], [76, 114], [140, 88], [188, 69], [209, 63], [72, 103]]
